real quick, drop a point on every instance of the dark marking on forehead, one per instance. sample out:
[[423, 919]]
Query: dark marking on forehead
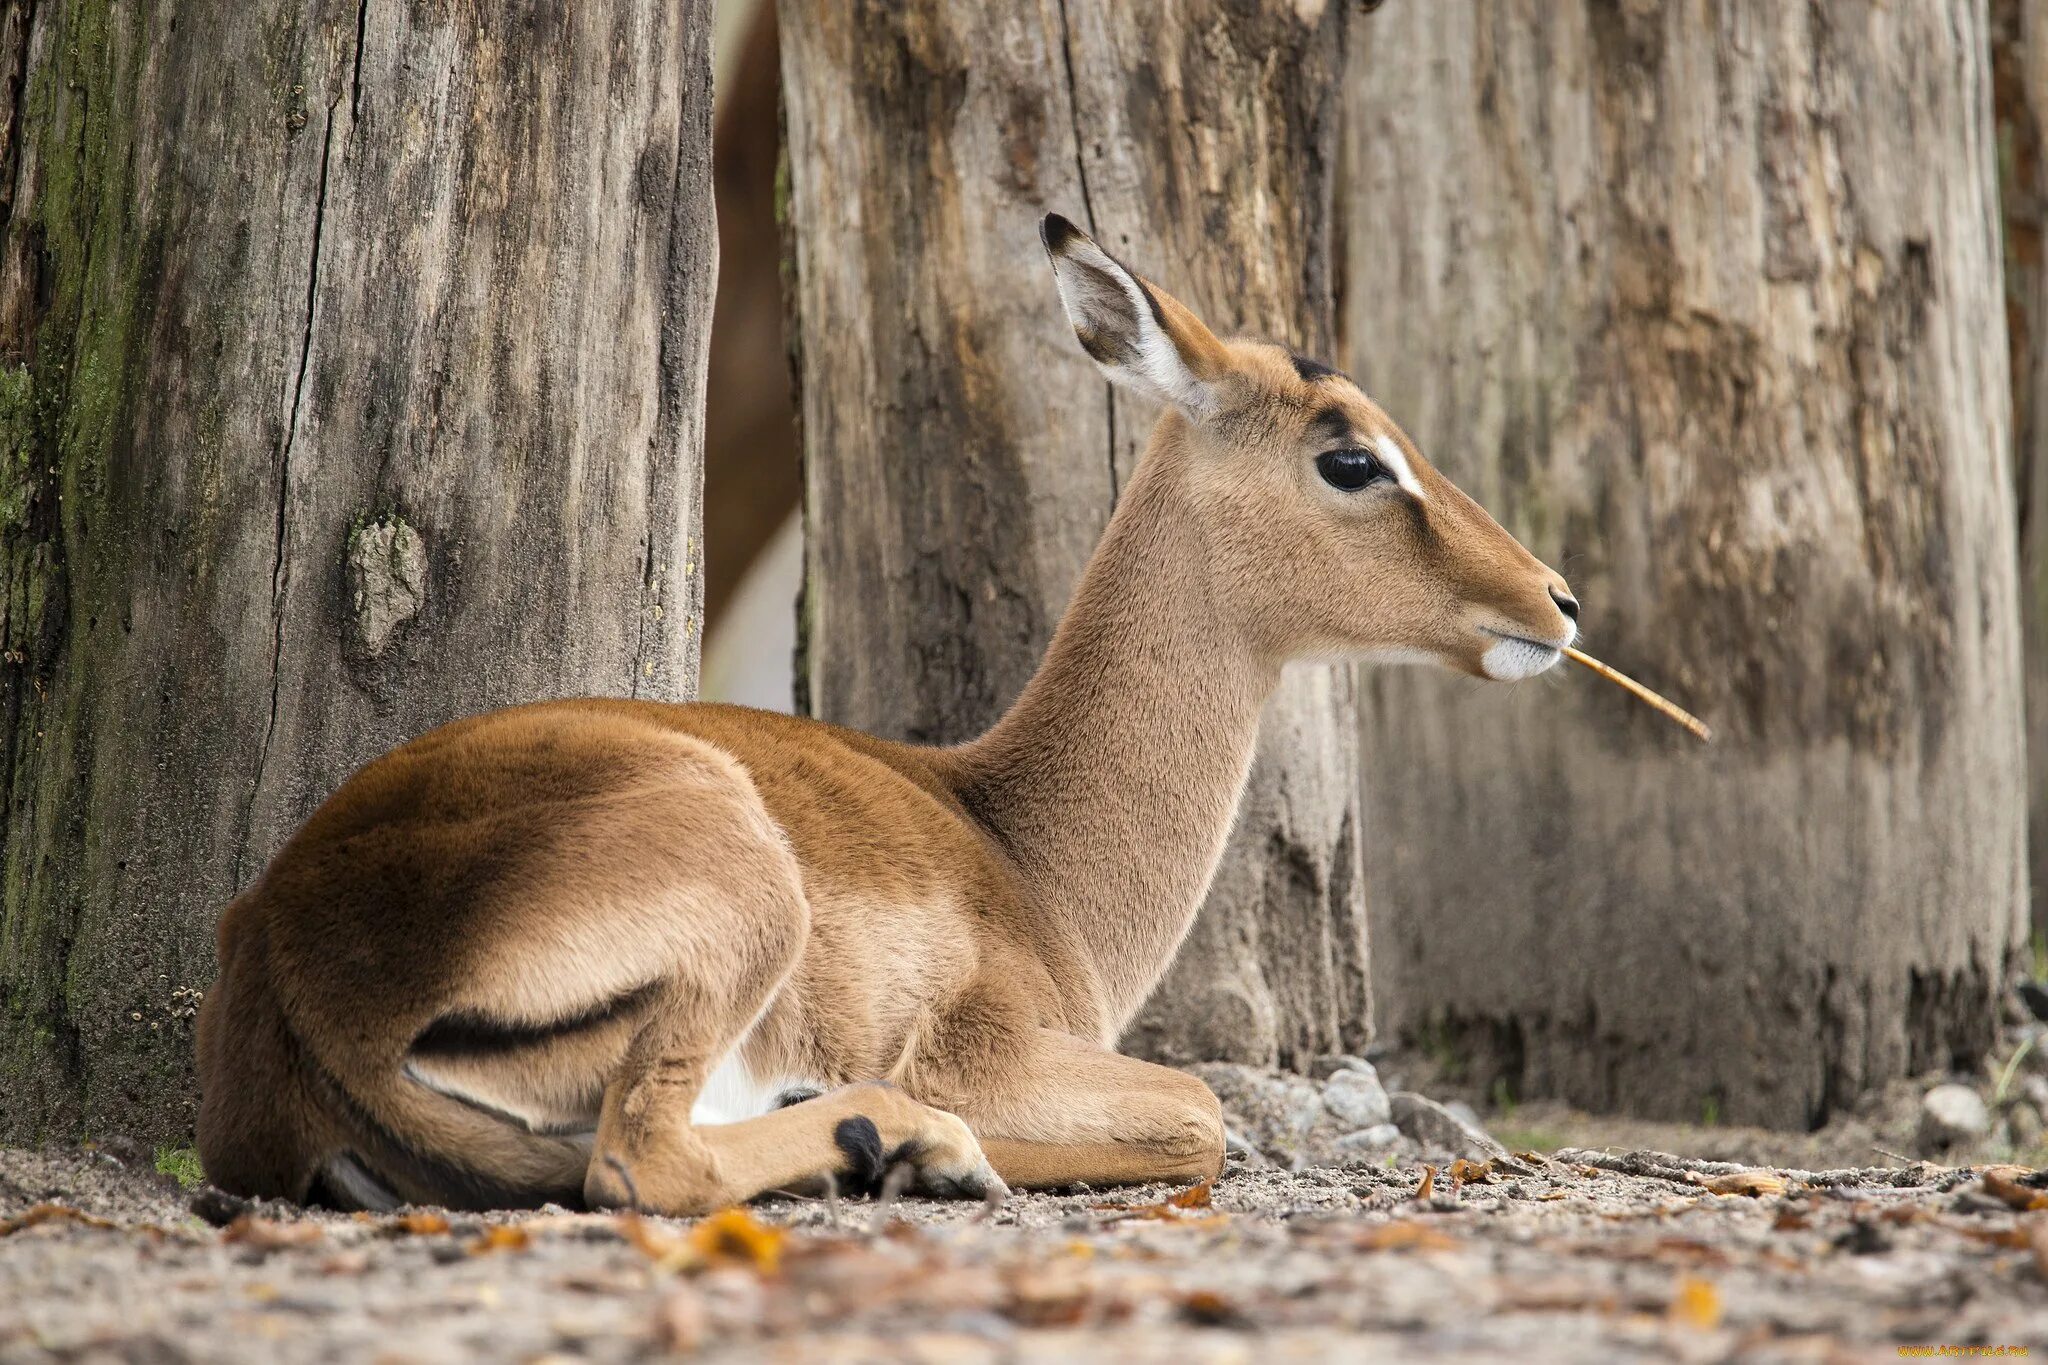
[[1311, 370], [1333, 425]]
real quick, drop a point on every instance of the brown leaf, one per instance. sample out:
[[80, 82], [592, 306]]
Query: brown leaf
[[51, 1213], [269, 1234], [1754, 1184], [1464, 1172], [1055, 1295], [1532, 1158], [734, 1236], [1792, 1220], [654, 1242], [1696, 1303], [1427, 1189], [2017, 1236], [419, 1224], [1403, 1234], [2002, 1183], [1175, 1208], [501, 1237], [1208, 1308]]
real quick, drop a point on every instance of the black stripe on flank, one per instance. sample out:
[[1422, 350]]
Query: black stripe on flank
[[1311, 370], [465, 1033]]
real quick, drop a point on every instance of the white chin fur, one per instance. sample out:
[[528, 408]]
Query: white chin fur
[[1513, 660]]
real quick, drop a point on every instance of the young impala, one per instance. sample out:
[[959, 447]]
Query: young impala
[[684, 955]]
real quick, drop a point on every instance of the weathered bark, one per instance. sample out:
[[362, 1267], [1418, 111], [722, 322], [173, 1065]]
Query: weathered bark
[[354, 369], [1704, 301], [2020, 106], [961, 454]]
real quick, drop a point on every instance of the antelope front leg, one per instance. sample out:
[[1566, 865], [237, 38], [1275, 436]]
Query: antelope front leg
[[1070, 1112]]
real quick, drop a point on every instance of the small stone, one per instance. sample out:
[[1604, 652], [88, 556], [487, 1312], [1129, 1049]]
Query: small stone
[[1273, 1110], [1357, 1098], [1375, 1141], [1436, 1129], [1952, 1116], [1330, 1063]]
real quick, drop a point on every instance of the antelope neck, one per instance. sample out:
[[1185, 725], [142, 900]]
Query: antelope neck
[[1114, 779]]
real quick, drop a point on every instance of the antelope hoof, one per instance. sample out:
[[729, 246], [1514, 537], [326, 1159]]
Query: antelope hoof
[[940, 1161]]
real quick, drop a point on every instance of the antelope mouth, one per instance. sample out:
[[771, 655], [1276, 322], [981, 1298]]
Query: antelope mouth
[[1510, 658]]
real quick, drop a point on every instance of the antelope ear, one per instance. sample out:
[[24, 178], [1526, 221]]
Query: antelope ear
[[1141, 336]]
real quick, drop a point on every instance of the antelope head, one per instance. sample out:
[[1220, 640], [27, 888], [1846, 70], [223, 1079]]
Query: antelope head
[[1328, 533]]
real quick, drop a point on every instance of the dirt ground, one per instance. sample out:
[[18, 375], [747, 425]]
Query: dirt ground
[[1582, 1255]]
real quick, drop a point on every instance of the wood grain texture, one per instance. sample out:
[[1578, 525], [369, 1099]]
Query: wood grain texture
[[962, 455], [355, 357], [2019, 48], [1702, 300]]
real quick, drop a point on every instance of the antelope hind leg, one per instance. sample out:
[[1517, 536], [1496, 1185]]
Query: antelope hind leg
[[1070, 1112]]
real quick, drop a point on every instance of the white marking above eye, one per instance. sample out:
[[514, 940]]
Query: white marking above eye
[[1396, 460]]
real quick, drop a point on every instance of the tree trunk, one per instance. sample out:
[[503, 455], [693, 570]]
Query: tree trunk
[[354, 369], [2020, 105], [1704, 301], [962, 456]]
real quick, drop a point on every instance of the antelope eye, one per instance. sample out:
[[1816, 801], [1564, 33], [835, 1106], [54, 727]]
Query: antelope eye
[[1351, 470]]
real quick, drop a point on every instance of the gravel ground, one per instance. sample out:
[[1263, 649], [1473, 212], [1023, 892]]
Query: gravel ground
[[1632, 1258]]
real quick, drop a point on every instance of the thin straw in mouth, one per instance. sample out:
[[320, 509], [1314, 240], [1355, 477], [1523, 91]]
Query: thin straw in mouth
[[1670, 709]]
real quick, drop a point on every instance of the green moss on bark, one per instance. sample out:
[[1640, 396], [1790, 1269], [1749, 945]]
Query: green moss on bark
[[78, 263]]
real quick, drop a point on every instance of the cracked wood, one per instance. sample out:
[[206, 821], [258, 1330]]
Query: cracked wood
[[351, 367], [962, 455]]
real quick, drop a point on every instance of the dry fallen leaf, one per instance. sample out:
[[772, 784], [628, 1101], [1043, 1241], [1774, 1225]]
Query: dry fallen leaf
[[1465, 1172], [1193, 1205], [1055, 1295], [1697, 1303], [1427, 1189], [419, 1224], [51, 1213], [269, 1234], [2003, 1183], [1208, 1308], [734, 1236], [1403, 1234], [651, 1240], [1755, 1184], [500, 1237]]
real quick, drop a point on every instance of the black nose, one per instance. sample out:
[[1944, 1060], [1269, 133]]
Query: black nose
[[1566, 603]]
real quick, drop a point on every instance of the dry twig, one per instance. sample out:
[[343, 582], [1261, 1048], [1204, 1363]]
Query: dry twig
[[1643, 694]]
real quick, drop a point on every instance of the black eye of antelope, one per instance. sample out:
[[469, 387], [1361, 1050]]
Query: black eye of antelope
[[1351, 469]]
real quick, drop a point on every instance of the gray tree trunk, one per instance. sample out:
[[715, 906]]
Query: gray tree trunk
[[354, 358], [962, 456], [2020, 105], [1704, 302]]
